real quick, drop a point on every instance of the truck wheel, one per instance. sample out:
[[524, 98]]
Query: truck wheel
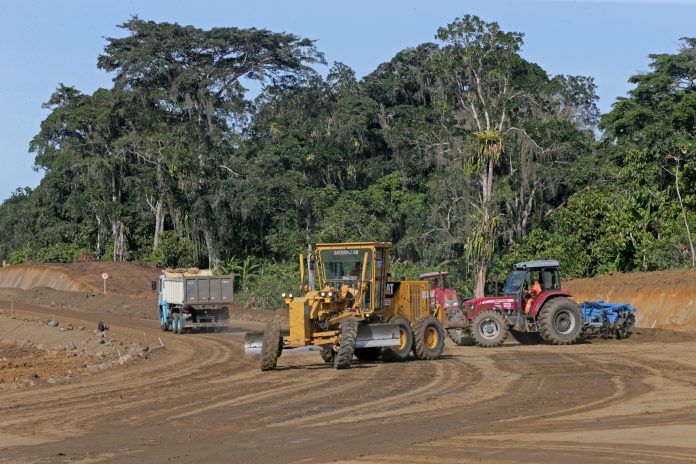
[[176, 323], [400, 352], [346, 346], [489, 329], [271, 346], [429, 338], [560, 321], [526, 338], [626, 328], [461, 337], [328, 355], [367, 354]]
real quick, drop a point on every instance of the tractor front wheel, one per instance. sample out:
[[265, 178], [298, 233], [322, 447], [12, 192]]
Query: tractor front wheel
[[429, 338], [489, 329], [346, 345], [271, 346], [399, 352], [560, 321]]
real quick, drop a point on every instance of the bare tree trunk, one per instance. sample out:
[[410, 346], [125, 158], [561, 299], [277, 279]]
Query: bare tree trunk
[[480, 278], [99, 229], [213, 260], [159, 223], [686, 221], [484, 258]]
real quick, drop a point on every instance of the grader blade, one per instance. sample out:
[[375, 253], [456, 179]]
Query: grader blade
[[377, 335], [253, 342]]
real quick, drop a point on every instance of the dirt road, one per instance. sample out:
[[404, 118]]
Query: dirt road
[[201, 400]]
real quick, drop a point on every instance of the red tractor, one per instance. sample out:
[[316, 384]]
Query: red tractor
[[533, 308], [441, 294]]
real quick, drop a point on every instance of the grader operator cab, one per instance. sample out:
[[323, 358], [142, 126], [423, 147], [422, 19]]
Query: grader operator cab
[[357, 312]]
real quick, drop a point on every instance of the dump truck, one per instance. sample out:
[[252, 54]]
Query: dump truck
[[548, 315], [357, 311], [194, 299]]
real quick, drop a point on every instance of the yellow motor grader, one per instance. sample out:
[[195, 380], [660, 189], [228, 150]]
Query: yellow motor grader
[[359, 311]]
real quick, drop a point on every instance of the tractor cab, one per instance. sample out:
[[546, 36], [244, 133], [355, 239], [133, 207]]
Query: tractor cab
[[440, 291], [526, 273]]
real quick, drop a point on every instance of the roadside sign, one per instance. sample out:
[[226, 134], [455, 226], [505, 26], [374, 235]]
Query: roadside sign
[[104, 277]]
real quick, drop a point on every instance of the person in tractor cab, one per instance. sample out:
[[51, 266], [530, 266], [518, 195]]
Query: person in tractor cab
[[531, 293]]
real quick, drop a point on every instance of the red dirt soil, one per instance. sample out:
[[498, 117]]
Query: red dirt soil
[[663, 299]]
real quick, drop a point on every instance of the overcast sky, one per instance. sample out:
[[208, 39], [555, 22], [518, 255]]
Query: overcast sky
[[50, 42]]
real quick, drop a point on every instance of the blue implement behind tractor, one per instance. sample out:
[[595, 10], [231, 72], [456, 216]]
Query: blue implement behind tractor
[[606, 318]]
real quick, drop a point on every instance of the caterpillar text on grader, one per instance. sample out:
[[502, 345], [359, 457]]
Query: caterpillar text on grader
[[357, 312]]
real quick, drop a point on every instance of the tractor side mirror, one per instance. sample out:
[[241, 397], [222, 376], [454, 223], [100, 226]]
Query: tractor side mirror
[[153, 285]]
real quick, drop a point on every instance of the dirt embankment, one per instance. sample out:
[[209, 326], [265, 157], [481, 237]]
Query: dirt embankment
[[35, 351], [663, 299], [28, 276]]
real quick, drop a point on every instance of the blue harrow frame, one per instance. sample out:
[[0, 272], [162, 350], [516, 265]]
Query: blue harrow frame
[[607, 318]]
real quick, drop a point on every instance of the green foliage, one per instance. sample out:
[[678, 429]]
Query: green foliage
[[265, 289], [174, 251], [459, 152]]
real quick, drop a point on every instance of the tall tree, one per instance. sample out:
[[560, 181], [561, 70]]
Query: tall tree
[[196, 77]]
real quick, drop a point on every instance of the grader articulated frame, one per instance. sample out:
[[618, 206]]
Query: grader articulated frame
[[358, 311]]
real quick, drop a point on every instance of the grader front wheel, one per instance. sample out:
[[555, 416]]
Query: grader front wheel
[[429, 338], [271, 346], [346, 347]]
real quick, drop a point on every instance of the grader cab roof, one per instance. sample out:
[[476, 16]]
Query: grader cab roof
[[354, 245], [538, 264]]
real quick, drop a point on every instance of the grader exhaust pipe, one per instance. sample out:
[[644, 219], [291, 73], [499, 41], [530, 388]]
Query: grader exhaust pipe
[[369, 336]]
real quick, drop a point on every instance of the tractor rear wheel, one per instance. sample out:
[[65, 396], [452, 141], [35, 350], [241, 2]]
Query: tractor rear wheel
[[429, 338], [526, 338], [461, 337], [400, 352], [346, 345], [367, 354], [271, 346], [560, 321], [328, 355], [489, 329]]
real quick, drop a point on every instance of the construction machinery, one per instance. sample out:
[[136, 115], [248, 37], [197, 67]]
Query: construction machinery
[[606, 318], [357, 311], [530, 316], [194, 299], [447, 298]]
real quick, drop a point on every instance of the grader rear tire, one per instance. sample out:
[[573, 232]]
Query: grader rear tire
[[271, 346], [489, 329], [346, 347], [399, 353], [429, 338], [560, 321]]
